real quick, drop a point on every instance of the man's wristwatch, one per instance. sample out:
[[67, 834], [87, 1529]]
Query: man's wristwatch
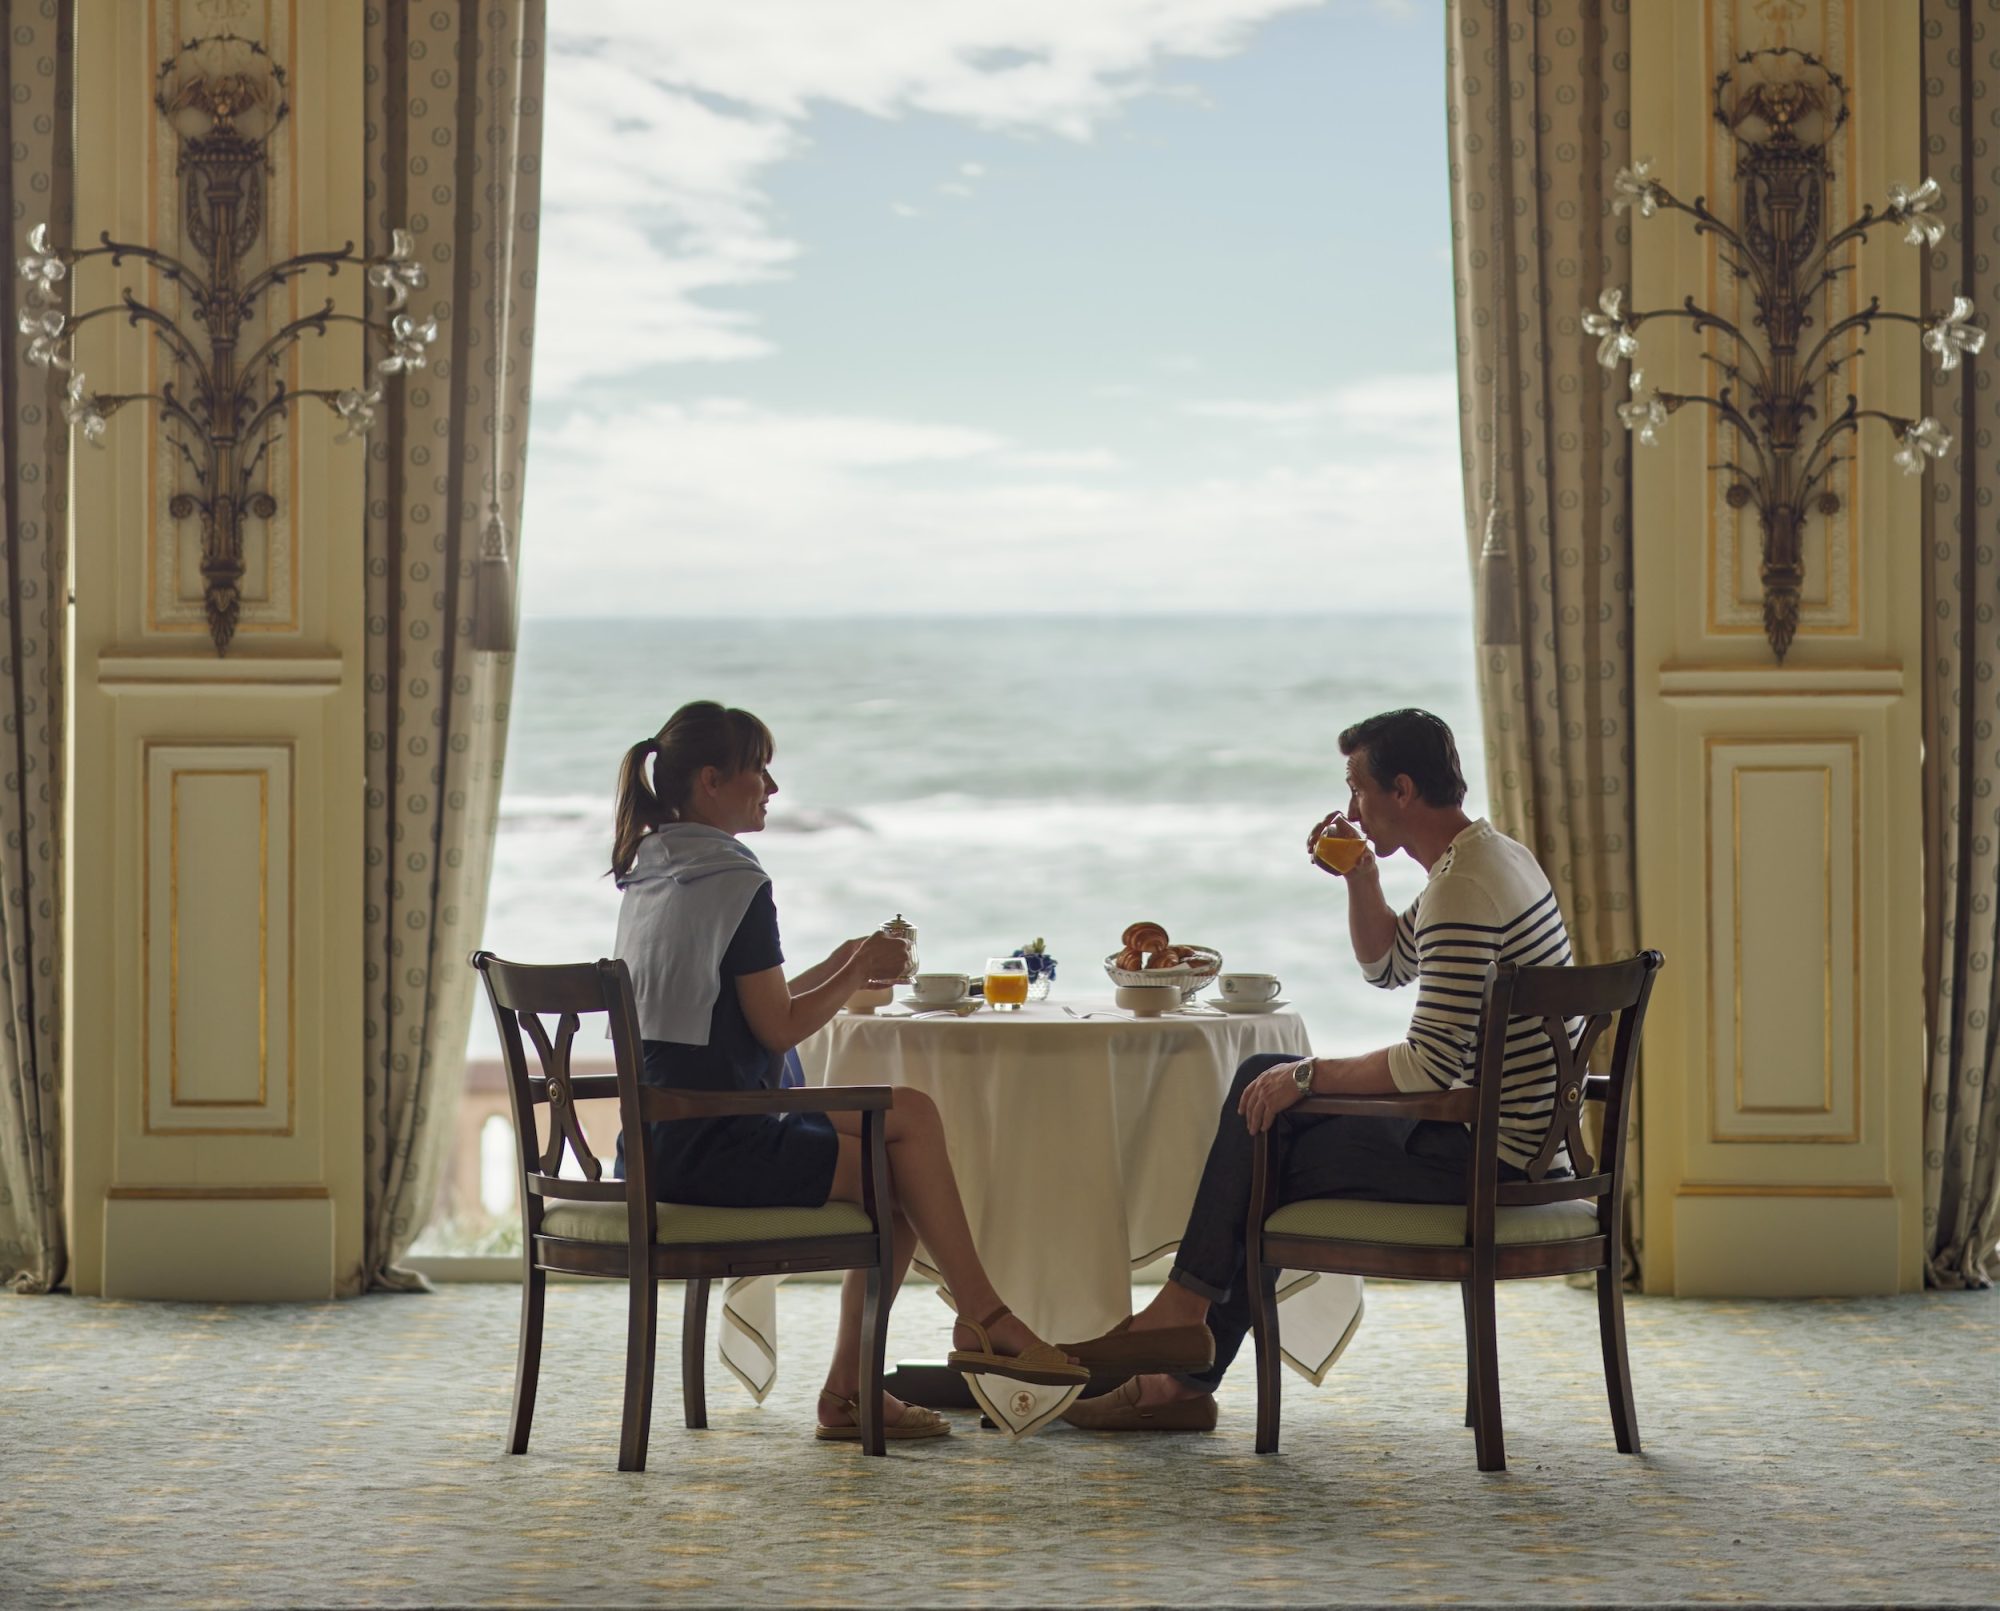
[[1302, 1075]]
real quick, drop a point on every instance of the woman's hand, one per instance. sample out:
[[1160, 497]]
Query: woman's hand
[[1268, 1095], [880, 958]]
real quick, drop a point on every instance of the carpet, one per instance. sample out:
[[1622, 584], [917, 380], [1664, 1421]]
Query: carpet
[[1831, 1452]]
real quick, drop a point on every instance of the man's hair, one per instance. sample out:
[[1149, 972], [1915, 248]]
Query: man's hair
[[1413, 743]]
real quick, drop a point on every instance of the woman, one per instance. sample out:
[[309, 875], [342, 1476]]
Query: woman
[[699, 932]]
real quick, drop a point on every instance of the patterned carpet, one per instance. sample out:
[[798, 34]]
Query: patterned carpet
[[349, 1454]]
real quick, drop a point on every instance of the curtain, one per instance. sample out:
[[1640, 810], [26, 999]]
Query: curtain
[[37, 66], [1962, 667], [1538, 97], [454, 107]]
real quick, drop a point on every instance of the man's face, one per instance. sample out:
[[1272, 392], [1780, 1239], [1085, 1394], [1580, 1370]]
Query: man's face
[[1376, 811]]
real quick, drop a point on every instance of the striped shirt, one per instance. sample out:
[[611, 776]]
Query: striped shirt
[[1487, 901]]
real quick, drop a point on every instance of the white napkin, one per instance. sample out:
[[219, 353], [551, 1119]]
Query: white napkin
[[1019, 1408], [1320, 1317], [748, 1343]]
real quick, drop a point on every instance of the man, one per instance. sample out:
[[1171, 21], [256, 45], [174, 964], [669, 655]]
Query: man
[[1487, 900]]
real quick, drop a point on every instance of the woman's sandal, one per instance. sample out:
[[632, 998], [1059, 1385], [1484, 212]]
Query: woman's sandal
[[1041, 1363], [914, 1422]]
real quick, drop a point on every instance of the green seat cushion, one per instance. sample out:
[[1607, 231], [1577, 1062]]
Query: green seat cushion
[[1427, 1224], [679, 1222]]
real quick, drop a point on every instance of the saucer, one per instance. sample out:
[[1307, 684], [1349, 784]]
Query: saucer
[[962, 1006], [1223, 1004]]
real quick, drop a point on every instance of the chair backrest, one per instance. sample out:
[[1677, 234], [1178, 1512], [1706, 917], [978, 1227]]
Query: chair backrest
[[551, 1005], [1611, 993]]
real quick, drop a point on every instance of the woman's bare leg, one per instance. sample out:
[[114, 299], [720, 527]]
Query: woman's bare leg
[[926, 1191], [843, 1372]]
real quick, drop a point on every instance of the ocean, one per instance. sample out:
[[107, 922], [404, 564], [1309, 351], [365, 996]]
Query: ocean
[[994, 780]]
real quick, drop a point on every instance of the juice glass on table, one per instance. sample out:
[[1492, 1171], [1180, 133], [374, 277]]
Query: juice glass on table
[[1006, 983]]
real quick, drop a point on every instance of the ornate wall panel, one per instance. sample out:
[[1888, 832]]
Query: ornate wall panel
[[220, 840], [270, 587], [216, 822], [1784, 911], [1830, 600], [1778, 808]]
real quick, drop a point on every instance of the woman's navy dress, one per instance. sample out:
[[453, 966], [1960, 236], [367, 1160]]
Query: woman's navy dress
[[747, 1160]]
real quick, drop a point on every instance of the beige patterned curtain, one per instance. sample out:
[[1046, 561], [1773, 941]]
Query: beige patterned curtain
[[37, 66], [454, 90], [1962, 667], [1538, 97]]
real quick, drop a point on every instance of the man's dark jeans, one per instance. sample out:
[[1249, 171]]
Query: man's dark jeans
[[1389, 1160]]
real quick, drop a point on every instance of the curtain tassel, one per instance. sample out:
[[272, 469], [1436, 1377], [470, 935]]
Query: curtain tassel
[[1499, 605], [493, 609]]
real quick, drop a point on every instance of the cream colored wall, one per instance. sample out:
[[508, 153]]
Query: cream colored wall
[[216, 830], [1779, 810]]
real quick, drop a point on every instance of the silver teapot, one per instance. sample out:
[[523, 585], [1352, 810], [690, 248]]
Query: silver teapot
[[900, 928]]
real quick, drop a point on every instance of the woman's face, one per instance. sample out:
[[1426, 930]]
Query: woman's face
[[739, 802]]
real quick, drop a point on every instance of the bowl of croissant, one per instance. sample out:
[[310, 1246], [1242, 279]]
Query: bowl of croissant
[[1147, 956]]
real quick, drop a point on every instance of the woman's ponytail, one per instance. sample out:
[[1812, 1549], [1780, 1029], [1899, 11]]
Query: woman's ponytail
[[638, 812], [699, 735]]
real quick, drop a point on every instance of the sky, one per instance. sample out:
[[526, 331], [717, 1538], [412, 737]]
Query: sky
[[993, 306]]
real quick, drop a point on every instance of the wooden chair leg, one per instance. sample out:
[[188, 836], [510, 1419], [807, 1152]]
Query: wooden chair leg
[[527, 1360], [1487, 1437], [640, 1329], [1471, 1356], [874, 1350], [1270, 1355], [694, 1355], [1617, 1369]]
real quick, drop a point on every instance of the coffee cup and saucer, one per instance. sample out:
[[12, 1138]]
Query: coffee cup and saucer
[[1247, 992], [941, 992]]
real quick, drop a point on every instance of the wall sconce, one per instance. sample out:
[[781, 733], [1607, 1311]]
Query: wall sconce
[[223, 96], [1782, 126]]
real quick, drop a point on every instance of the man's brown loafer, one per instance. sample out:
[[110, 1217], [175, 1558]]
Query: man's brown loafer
[[1120, 1411], [1169, 1348]]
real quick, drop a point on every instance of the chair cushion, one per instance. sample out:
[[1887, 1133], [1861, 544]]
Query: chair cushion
[[680, 1222], [1427, 1224]]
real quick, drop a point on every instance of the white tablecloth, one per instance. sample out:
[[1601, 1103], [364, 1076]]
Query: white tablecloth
[[1077, 1142]]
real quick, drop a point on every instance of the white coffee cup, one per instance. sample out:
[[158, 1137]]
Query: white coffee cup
[[940, 989], [1147, 1000], [1249, 988]]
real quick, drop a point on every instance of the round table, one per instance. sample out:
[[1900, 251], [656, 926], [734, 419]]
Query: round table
[[1078, 1134], [1077, 1141]]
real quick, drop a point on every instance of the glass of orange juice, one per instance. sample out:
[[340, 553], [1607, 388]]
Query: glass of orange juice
[[1006, 983], [1342, 852]]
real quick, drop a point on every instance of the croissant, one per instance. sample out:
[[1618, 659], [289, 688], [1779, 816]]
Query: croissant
[[1165, 957], [1130, 960], [1136, 934]]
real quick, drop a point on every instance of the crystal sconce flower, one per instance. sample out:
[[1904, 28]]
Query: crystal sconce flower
[[223, 96], [1768, 390]]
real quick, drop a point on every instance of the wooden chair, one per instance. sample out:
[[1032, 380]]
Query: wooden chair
[[1504, 1232], [614, 1229]]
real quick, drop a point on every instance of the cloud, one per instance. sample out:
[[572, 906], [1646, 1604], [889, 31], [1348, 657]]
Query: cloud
[[1411, 405], [663, 117], [1088, 459], [726, 506]]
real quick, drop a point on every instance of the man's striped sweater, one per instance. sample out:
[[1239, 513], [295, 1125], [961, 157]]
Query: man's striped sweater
[[1487, 901]]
